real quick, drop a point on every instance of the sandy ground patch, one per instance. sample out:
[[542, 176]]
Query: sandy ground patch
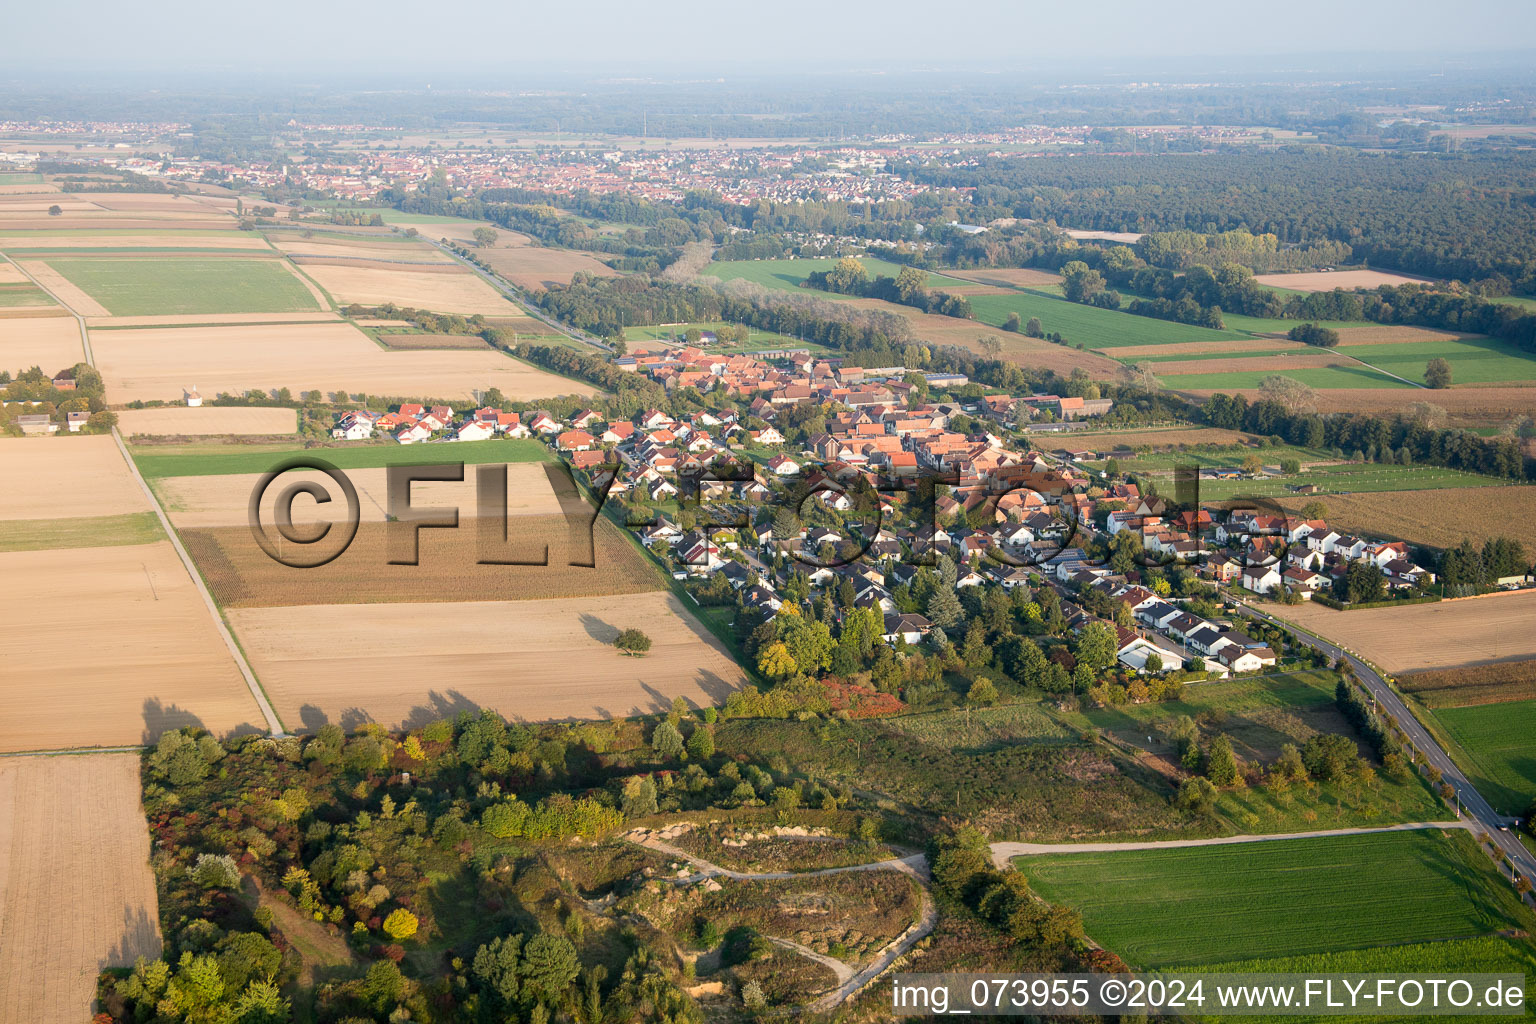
[[145, 240], [63, 289], [51, 342], [1388, 334], [161, 363], [461, 292], [1123, 237], [1019, 277], [76, 890], [1197, 348], [142, 652], [538, 267], [207, 419], [1327, 281], [532, 660], [1438, 635], [1439, 518], [66, 476], [211, 501]]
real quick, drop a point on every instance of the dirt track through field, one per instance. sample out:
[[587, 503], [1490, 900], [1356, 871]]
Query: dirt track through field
[[76, 890], [534, 660], [112, 646]]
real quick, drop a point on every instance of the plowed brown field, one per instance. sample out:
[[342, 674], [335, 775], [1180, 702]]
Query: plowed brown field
[[1437, 635]]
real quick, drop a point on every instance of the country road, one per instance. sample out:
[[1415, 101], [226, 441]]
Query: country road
[[849, 981], [1487, 819], [1002, 853]]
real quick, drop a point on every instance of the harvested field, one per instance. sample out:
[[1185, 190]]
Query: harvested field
[[416, 342], [311, 249], [1130, 353], [1439, 635], [201, 502], [61, 477], [143, 654], [1176, 438], [207, 419], [404, 664], [1437, 518], [1007, 277], [163, 240], [51, 342], [241, 575], [76, 891], [536, 267], [1327, 281], [109, 220], [63, 289], [1498, 683], [1268, 364], [162, 363], [213, 319], [1388, 334], [11, 274], [442, 290]]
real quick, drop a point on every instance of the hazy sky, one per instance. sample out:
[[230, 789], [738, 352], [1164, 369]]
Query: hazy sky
[[672, 36]]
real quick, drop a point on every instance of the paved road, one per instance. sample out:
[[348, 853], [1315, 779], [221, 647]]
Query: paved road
[[1002, 853], [1486, 818], [274, 726]]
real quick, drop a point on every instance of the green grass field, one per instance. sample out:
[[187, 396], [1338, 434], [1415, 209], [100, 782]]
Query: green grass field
[[20, 178], [91, 532], [1227, 456], [787, 275], [22, 294], [1473, 360], [757, 339], [210, 460], [145, 287], [1497, 750], [1206, 905], [1095, 328]]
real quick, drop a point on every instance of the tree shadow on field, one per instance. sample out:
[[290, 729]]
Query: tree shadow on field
[[597, 629], [140, 937], [161, 718], [439, 706], [351, 719]]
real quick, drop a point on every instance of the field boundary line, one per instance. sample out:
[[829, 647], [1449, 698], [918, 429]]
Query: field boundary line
[[73, 751], [274, 724]]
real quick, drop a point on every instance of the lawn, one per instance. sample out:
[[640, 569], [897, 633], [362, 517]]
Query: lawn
[[1230, 456], [212, 460], [1473, 360], [1346, 477], [1497, 750], [149, 286], [1207, 905], [1323, 377]]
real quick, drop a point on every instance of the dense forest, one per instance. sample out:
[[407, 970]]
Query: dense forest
[[1463, 217]]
